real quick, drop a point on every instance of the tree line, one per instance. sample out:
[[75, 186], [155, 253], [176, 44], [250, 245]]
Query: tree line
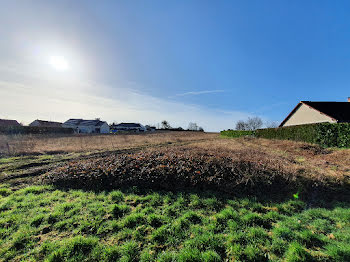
[[191, 126], [254, 123]]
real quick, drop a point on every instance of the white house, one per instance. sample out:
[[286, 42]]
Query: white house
[[44, 123], [308, 112], [131, 127], [87, 126]]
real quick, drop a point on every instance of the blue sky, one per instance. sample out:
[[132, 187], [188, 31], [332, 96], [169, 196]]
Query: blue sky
[[210, 62]]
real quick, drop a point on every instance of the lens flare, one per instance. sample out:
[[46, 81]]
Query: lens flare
[[59, 63]]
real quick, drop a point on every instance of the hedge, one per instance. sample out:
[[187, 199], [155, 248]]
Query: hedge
[[333, 135], [306, 133], [12, 130], [236, 133], [324, 134]]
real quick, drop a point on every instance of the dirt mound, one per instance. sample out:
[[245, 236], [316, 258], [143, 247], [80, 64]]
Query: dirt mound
[[180, 168]]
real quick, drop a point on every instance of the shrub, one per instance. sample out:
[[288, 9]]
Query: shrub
[[306, 133], [333, 135], [324, 134], [12, 130], [236, 133]]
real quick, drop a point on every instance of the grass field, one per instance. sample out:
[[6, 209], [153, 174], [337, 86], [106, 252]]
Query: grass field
[[46, 214]]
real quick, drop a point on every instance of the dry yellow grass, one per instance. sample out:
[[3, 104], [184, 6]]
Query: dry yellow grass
[[297, 157], [248, 165], [32, 144]]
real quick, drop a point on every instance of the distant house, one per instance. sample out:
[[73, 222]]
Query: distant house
[[8, 123], [307, 112], [87, 126], [131, 127], [43, 123], [150, 128]]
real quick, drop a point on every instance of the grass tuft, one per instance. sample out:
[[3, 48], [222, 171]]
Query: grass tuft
[[297, 253], [120, 210]]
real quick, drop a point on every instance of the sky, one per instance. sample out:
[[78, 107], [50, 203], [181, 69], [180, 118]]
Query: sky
[[208, 62]]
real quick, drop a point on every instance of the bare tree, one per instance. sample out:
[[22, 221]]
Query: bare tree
[[165, 124], [241, 125], [271, 124], [192, 126], [254, 123]]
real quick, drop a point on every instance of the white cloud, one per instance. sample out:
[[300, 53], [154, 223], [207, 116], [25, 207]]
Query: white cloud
[[194, 93], [50, 101]]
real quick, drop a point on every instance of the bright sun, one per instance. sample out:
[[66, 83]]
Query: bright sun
[[59, 63]]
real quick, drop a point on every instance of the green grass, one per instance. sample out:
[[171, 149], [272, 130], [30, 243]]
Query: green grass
[[44, 223]]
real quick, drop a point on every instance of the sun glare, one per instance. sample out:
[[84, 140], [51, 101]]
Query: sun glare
[[59, 63]]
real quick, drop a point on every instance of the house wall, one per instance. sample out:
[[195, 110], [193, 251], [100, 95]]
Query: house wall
[[104, 129], [86, 129], [307, 115]]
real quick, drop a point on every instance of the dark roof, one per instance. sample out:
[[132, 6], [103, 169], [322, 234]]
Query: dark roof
[[81, 122], [8, 122], [128, 125], [339, 111], [48, 123]]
